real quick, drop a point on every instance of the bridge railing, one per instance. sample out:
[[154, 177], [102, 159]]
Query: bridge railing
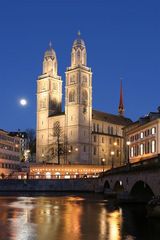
[[140, 165]]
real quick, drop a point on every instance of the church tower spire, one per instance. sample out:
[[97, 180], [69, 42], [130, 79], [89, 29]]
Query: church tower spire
[[49, 100], [121, 104], [50, 61], [78, 54], [78, 104]]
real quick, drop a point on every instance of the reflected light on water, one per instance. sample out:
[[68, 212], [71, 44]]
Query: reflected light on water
[[103, 224], [130, 238], [20, 226], [70, 218], [114, 221]]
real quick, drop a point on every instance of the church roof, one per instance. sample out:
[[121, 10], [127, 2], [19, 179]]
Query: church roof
[[50, 53], [79, 42], [111, 118]]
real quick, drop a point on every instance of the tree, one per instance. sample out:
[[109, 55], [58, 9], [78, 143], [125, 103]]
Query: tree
[[59, 145], [32, 140]]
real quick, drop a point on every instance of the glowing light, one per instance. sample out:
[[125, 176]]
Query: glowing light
[[23, 102], [112, 153], [128, 143]]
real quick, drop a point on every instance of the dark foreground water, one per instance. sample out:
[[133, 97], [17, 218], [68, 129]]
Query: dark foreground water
[[73, 217]]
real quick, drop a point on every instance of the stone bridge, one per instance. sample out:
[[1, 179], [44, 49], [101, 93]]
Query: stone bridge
[[135, 182]]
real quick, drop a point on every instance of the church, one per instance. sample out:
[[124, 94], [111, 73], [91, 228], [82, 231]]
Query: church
[[80, 134]]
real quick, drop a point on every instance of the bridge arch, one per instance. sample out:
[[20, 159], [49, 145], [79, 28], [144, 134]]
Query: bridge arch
[[106, 186], [141, 191], [118, 187]]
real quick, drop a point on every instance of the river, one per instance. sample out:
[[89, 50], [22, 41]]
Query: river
[[73, 217]]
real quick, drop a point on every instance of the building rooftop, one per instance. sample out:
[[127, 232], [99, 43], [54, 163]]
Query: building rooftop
[[111, 118], [144, 120], [3, 131], [19, 134]]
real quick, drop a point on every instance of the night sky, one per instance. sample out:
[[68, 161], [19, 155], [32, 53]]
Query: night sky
[[122, 40]]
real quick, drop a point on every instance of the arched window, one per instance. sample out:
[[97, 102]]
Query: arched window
[[153, 146], [84, 80], [57, 130], [43, 103], [84, 57], [84, 97], [72, 96], [78, 55], [141, 149], [73, 58], [48, 175], [55, 86], [72, 79]]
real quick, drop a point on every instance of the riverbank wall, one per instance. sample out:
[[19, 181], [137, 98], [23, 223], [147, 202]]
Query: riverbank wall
[[48, 185]]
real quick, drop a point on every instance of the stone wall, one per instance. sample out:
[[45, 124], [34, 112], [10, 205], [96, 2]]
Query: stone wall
[[48, 185]]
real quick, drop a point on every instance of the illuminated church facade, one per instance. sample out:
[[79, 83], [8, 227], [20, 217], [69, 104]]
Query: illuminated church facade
[[89, 136]]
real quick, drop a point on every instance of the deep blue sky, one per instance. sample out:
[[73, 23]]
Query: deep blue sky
[[122, 39]]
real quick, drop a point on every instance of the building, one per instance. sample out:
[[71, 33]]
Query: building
[[83, 135], [9, 153], [143, 137], [107, 138], [50, 171], [24, 143]]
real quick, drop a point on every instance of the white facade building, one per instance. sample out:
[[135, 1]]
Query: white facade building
[[9, 153], [144, 137]]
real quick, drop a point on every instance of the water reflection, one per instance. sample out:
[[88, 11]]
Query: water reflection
[[85, 217], [114, 220]]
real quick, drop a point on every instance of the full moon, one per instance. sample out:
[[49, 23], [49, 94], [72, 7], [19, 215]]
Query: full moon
[[23, 102]]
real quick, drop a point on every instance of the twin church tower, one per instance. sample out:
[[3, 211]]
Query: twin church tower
[[76, 123]]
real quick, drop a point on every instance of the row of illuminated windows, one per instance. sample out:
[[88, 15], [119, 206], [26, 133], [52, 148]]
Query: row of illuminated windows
[[115, 142], [109, 130], [65, 150], [72, 96], [9, 139], [143, 134], [10, 148], [8, 165], [72, 149], [116, 152], [73, 79], [9, 157], [111, 141], [143, 148]]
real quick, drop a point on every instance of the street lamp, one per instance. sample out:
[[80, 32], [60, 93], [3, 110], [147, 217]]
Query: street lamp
[[112, 154], [103, 161], [72, 150], [115, 143], [42, 157], [128, 144], [116, 149]]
